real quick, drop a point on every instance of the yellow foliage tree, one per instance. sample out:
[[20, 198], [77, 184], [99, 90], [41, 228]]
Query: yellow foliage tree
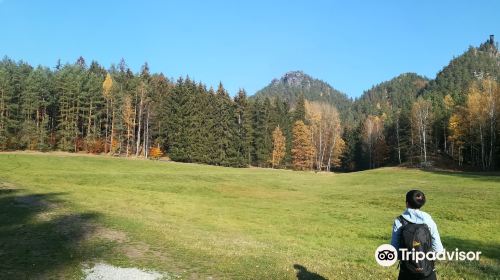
[[279, 143], [373, 140], [449, 103], [326, 132], [107, 86], [458, 131], [482, 108], [128, 118], [302, 147]]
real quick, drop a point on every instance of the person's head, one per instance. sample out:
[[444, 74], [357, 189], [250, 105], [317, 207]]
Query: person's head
[[415, 199]]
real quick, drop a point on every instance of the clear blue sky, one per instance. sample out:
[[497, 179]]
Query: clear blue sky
[[350, 44]]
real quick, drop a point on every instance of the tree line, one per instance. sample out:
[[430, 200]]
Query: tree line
[[76, 107], [452, 119], [410, 119]]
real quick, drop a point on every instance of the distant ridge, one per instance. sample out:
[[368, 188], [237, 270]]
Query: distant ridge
[[295, 83]]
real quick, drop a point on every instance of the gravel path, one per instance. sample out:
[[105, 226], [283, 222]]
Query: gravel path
[[103, 271]]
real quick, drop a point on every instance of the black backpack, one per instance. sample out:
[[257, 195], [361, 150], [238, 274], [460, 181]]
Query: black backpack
[[418, 237]]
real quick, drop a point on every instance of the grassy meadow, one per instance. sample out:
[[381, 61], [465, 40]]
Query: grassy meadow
[[61, 213]]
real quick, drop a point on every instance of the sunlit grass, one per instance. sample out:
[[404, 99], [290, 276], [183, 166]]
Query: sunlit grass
[[257, 223]]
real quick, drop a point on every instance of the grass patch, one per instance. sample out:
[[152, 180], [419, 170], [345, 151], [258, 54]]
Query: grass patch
[[197, 221]]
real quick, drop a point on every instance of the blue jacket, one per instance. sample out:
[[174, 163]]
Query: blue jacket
[[418, 217]]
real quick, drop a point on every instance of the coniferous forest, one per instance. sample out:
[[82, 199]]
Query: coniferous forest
[[296, 122]]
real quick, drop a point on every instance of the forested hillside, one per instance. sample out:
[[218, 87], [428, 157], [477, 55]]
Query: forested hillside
[[387, 107], [295, 84], [296, 121]]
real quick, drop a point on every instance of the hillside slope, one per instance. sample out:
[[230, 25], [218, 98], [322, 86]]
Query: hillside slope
[[291, 85]]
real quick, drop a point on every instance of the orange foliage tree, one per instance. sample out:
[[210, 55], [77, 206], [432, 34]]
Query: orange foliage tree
[[302, 147], [155, 153], [279, 143]]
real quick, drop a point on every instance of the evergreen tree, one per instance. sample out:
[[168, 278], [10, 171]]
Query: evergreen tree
[[68, 86], [248, 133], [243, 141], [177, 122], [34, 102], [7, 107], [299, 113], [262, 131], [225, 129], [284, 121]]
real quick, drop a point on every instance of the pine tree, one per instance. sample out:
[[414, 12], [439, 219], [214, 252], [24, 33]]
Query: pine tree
[[128, 117], [68, 87], [299, 113], [243, 129], [94, 109], [262, 131], [225, 128], [248, 133], [5, 102], [284, 121], [142, 108], [34, 103], [160, 87], [179, 126]]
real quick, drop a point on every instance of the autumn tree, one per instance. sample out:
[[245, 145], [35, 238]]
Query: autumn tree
[[458, 129], [279, 143], [302, 147], [421, 120], [482, 108], [128, 117], [491, 91], [326, 132], [449, 105], [373, 140], [107, 86], [155, 153]]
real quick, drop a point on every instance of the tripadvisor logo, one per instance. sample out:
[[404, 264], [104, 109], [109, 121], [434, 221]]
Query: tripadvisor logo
[[387, 255]]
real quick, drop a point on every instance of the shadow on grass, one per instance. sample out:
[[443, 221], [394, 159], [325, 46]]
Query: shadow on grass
[[304, 274], [35, 242], [483, 176], [490, 250], [476, 270]]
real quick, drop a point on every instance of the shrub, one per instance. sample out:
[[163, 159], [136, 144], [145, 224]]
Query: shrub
[[155, 153]]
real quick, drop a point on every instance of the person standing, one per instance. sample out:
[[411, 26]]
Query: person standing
[[415, 229]]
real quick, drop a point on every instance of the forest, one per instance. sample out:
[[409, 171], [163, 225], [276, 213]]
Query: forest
[[413, 120]]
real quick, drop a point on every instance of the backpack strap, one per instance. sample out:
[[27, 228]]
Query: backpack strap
[[403, 221]]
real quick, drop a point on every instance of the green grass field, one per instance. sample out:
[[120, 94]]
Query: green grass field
[[60, 213]]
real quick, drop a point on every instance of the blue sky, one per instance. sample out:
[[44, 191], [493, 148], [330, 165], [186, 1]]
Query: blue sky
[[352, 45]]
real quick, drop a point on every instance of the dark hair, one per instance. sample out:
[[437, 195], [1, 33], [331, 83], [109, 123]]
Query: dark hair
[[415, 199]]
